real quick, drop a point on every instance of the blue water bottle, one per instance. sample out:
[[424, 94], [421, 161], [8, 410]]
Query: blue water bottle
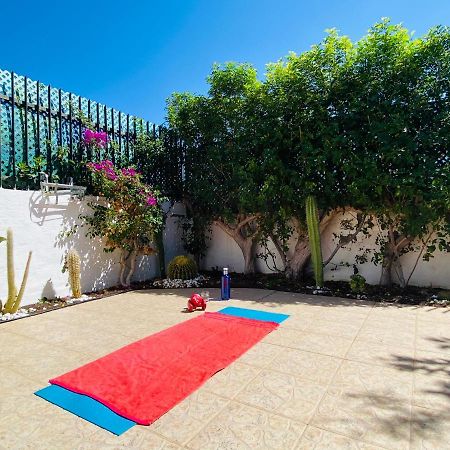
[[225, 288]]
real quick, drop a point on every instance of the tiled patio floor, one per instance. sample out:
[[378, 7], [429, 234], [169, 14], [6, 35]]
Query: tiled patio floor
[[337, 374]]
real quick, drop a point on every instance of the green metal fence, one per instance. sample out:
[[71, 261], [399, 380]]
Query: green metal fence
[[41, 128]]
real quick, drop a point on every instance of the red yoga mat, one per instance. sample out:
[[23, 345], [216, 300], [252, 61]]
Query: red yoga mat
[[144, 380]]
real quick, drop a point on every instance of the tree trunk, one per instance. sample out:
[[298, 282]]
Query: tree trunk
[[132, 259], [302, 253], [246, 242], [159, 239], [122, 262], [247, 247], [386, 268], [296, 265], [391, 259]]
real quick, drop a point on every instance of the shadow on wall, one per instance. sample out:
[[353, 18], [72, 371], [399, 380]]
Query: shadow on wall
[[48, 291], [98, 268]]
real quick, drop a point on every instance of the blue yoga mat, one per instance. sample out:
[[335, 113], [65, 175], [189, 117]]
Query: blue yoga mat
[[87, 408], [254, 314]]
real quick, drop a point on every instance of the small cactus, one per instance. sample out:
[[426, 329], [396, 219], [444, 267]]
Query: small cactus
[[73, 266], [14, 298], [312, 221], [182, 268]]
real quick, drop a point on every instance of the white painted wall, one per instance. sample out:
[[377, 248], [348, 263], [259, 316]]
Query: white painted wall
[[224, 252], [38, 224]]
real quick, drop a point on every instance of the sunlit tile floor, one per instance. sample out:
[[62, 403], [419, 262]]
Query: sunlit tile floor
[[337, 374]]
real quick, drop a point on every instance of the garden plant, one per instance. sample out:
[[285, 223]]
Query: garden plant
[[127, 217], [361, 126]]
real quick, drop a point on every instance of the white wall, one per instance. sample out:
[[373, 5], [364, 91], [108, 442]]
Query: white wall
[[224, 252], [38, 225]]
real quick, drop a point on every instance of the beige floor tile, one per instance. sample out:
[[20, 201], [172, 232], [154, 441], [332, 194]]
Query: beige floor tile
[[46, 361], [434, 343], [387, 336], [317, 343], [285, 337], [307, 365], [360, 380], [229, 381], [184, 420], [283, 394], [13, 345], [300, 321], [17, 393], [426, 362], [392, 310], [142, 329], [55, 332], [341, 328], [285, 373], [137, 438], [430, 429], [316, 439], [434, 314], [383, 355], [369, 418], [43, 426], [249, 294], [242, 427], [323, 344], [30, 326], [261, 355], [97, 344], [434, 328], [431, 391], [353, 315]]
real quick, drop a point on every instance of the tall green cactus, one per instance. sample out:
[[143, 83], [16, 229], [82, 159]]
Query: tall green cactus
[[14, 298], [73, 266], [312, 222]]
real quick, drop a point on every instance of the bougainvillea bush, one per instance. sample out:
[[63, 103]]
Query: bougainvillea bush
[[127, 215]]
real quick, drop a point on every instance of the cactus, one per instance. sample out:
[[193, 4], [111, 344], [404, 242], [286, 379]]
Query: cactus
[[182, 268], [14, 298], [312, 222], [73, 266]]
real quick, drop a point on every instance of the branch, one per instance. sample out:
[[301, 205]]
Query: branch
[[424, 243], [133, 255], [344, 240], [279, 248], [245, 221], [225, 227]]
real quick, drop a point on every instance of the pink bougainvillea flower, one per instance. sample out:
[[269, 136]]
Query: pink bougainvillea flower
[[111, 175], [129, 172], [101, 137], [88, 136], [98, 138], [151, 201], [105, 168]]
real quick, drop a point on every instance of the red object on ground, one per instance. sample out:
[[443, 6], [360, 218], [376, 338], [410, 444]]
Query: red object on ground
[[144, 380], [196, 301]]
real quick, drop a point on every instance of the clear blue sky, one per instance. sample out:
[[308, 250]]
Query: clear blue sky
[[132, 54]]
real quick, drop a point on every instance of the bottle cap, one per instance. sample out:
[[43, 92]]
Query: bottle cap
[[225, 270]]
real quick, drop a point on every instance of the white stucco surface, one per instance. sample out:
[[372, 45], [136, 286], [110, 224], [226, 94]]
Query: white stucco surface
[[39, 225], [224, 252]]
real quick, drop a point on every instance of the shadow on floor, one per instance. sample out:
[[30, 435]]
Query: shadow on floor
[[267, 298], [391, 416]]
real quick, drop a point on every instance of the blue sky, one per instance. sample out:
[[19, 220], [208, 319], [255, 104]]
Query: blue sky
[[133, 54]]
